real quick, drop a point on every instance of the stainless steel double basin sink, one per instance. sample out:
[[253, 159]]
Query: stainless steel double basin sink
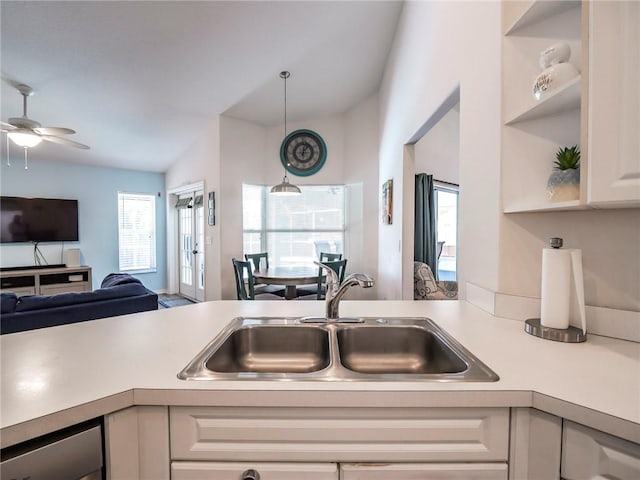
[[356, 349]]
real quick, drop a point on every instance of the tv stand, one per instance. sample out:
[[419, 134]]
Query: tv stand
[[45, 280]]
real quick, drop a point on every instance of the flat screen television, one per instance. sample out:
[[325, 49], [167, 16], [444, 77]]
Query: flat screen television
[[38, 220]]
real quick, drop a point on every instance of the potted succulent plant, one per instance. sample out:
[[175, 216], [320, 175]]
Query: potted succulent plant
[[564, 181]]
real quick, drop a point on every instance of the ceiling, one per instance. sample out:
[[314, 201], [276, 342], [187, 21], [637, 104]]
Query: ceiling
[[140, 82]]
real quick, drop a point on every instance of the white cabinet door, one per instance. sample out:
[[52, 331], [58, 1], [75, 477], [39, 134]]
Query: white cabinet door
[[243, 471], [534, 449], [614, 104], [279, 434], [422, 471], [588, 453], [137, 443]]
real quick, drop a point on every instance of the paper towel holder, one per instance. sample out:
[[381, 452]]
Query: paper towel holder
[[568, 335], [555, 242]]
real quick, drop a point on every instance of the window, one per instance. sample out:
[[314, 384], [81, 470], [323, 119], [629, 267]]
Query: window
[[446, 197], [293, 229], [136, 232]]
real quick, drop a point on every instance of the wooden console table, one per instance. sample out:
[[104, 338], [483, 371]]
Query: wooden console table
[[46, 281]]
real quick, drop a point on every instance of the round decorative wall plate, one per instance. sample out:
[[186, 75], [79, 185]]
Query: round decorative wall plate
[[303, 152]]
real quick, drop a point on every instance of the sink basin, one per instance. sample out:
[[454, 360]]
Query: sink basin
[[277, 349], [396, 349], [362, 349]]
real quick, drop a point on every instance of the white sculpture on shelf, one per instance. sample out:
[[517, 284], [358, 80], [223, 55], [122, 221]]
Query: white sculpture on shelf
[[556, 71]]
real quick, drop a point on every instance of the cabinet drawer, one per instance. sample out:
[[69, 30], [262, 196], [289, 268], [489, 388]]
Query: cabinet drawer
[[64, 288], [420, 471], [339, 434], [267, 471], [19, 291], [588, 453]]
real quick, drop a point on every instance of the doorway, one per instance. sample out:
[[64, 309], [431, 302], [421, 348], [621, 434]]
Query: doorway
[[190, 242], [434, 150]]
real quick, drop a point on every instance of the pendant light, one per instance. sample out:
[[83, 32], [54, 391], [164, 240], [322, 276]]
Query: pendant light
[[285, 188]]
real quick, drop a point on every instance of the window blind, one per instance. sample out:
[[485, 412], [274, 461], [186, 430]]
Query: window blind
[[294, 230], [136, 232]]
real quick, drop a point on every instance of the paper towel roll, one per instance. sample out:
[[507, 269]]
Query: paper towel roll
[[556, 288]]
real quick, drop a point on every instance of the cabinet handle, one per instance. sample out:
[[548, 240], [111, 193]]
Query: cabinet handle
[[251, 474]]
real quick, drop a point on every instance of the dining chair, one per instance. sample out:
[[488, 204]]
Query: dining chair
[[259, 261], [329, 257], [321, 246], [322, 258], [256, 259], [246, 290], [338, 266]]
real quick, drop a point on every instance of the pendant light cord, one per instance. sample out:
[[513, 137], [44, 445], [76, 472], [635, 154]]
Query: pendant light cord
[[285, 188], [285, 74], [285, 115], [285, 103]]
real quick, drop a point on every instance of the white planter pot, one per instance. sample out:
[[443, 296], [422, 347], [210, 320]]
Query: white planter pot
[[564, 185]]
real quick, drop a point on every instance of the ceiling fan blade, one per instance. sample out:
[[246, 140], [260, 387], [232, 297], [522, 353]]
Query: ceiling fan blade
[[6, 127], [64, 141], [53, 131]]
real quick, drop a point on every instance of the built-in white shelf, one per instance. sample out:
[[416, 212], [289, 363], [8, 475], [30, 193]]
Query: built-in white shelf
[[533, 130], [563, 99], [546, 207], [537, 11]]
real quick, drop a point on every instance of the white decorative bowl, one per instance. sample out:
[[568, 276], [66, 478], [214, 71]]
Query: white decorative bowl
[[556, 53], [553, 77]]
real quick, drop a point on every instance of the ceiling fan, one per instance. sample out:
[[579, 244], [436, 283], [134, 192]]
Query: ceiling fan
[[26, 133]]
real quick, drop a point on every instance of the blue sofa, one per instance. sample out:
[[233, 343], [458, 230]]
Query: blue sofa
[[119, 294]]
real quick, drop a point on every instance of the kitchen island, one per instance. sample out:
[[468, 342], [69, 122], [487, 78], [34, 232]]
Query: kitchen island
[[56, 377]]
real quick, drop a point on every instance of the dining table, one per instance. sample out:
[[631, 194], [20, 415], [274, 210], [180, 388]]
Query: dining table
[[289, 276]]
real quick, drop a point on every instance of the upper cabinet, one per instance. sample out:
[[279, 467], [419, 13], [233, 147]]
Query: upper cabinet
[[614, 103], [575, 107]]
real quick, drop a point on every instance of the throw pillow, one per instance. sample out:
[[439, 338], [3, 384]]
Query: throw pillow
[[114, 279], [9, 301], [423, 281]]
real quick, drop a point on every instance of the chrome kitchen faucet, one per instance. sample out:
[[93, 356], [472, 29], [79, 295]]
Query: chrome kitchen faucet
[[335, 291]]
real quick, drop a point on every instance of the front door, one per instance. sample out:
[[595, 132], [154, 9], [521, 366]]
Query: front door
[[191, 244]]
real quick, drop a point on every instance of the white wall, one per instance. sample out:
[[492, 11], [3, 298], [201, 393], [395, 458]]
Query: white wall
[[251, 154], [201, 162], [610, 244], [438, 46], [244, 159], [361, 177], [437, 153], [238, 152]]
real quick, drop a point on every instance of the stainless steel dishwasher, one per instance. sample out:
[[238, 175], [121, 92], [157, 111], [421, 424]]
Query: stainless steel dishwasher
[[74, 453]]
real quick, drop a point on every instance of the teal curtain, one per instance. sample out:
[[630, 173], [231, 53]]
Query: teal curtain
[[425, 236]]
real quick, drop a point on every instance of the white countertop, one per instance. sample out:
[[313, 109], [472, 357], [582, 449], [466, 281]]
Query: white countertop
[[58, 376]]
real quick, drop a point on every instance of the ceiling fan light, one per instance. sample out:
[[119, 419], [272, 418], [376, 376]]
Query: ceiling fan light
[[285, 188], [24, 138]]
